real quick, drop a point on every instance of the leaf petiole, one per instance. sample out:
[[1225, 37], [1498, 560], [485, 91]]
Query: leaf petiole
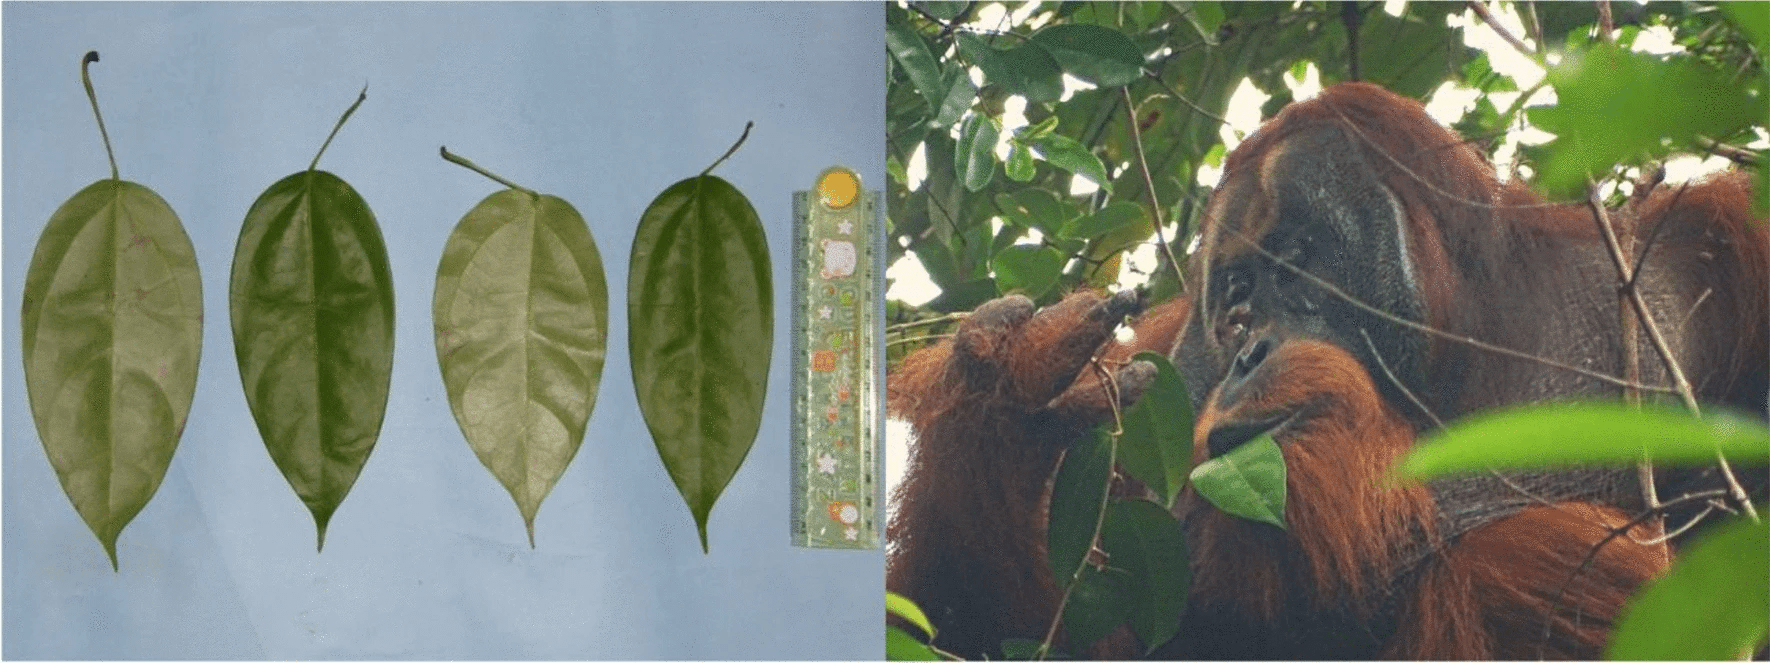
[[464, 163], [360, 96], [734, 149], [86, 79]]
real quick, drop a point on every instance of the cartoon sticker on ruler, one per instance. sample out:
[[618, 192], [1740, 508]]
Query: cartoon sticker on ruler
[[836, 381]]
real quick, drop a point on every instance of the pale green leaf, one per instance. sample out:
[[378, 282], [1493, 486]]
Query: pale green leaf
[[1714, 603], [113, 327], [898, 604], [521, 316], [1248, 482]]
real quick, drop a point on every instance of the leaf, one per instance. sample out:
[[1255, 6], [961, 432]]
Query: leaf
[[1064, 152], [975, 158], [1098, 55], [1029, 71], [1144, 539], [1029, 269], [700, 317], [1711, 605], [1612, 108], [311, 301], [1098, 603], [1156, 447], [898, 604], [955, 101], [521, 315], [1019, 165], [1248, 482], [1575, 433], [113, 327], [912, 54], [1023, 649], [901, 646], [1077, 497], [1115, 215]]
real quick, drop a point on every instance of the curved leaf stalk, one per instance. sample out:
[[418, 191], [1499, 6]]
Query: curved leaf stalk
[[734, 148], [360, 96], [459, 160], [86, 80]]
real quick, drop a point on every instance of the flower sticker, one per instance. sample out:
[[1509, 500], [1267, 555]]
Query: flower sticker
[[826, 464], [844, 512], [839, 259]]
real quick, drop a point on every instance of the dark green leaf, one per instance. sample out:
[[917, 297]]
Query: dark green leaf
[[1117, 214], [959, 95], [1098, 603], [1156, 447], [1143, 538], [901, 646], [1205, 17], [912, 54], [1077, 497], [521, 315], [1029, 71], [1034, 208], [700, 311], [1714, 604], [311, 301], [1248, 482], [113, 327], [1563, 434], [1098, 55], [1029, 269], [1064, 152], [1022, 649], [897, 604], [975, 158]]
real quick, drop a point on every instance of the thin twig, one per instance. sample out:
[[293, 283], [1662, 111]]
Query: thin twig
[[1189, 103], [1109, 383], [905, 326], [1622, 244], [1734, 153], [913, 339], [1149, 185], [1606, 24], [1493, 23], [1331, 289]]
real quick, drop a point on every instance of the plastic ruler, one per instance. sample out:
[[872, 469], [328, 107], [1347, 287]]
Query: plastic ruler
[[838, 285]]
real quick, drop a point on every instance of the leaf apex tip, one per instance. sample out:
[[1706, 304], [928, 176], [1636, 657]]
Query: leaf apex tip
[[530, 523], [91, 57]]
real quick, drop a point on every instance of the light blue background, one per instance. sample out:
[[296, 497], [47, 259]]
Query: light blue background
[[603, 105]]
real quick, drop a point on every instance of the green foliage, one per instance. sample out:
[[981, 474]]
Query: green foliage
[[1710, 606], [521, 317], [1248, 482], [1156, 447], [1565, 434], [113, 327], [1077, 499], [311, 301], [700, 316], [901, 646]]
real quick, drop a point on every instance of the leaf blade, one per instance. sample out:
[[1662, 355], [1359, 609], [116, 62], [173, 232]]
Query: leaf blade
[[1248, 482], [700, 333], [112, 325], [513, 345], [311, 305]]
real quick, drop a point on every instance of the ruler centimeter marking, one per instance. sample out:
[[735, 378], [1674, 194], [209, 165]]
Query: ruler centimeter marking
[[837, 242]]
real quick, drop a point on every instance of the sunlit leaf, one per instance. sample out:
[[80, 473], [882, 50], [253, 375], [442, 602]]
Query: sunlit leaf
[[1144, 539], [1114, 216], [1064, 152], [521, 316], [1248, 482], [1019, 165], [1156, 447], [113, 327], [1564, 434], [901, 646], [1077, 496], [975, 158], [311, 301], [1098, 55], [957, 99], [700, 312], [898, 604], [1714, 603]]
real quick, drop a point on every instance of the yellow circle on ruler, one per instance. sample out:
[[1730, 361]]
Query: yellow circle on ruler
[[838, 187]]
